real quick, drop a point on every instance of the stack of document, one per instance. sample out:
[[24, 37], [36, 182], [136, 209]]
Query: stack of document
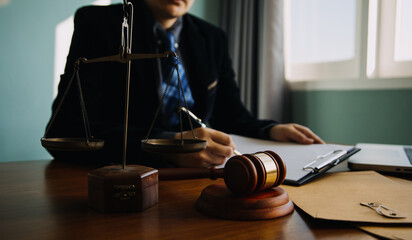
[[340, 196]]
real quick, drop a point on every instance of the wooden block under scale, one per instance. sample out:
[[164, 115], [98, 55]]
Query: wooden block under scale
[[114, 189]]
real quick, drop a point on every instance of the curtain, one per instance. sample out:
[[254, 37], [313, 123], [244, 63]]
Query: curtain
[[255, 35], [241, 20], [274, 94]]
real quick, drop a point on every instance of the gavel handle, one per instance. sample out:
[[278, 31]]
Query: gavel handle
[[189, 173]]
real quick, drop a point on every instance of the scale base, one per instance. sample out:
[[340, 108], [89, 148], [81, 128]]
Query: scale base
[[217, 201], [114, 189]]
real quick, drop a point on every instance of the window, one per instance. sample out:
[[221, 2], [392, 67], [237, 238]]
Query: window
[[348, 40], [392, 28]]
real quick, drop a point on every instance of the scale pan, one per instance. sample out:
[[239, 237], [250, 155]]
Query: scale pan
[[72, 144], [173, 145]]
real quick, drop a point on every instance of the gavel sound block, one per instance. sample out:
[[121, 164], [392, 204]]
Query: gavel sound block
[[250, 191], [114, 189]]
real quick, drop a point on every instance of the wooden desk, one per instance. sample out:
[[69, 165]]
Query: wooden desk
[[48, 200]]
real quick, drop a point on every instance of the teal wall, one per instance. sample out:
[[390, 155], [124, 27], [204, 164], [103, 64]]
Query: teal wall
[[349, 117], [208, 9], [27, 34], [26, 73]]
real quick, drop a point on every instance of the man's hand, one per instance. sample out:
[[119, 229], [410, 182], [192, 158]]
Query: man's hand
[[219, 147], [294, 132]]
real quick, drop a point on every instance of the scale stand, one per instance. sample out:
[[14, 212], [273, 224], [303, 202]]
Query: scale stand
[[125, 56], [123, 188]]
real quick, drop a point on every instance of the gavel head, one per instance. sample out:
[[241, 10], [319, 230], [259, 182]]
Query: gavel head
[[249, 173]]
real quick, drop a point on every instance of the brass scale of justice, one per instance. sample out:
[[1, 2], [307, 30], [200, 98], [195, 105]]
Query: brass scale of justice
[[250, 191]]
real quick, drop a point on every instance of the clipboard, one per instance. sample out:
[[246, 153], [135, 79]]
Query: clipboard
[[320, 166], [303, 162]]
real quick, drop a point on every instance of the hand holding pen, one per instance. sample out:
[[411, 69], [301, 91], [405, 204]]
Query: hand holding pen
[[199, 121], [219, 147]]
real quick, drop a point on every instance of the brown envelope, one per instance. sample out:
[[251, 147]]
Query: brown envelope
[[337, 196], [391, 232]]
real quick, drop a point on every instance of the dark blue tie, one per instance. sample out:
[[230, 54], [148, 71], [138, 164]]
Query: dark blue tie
[[171, 98]]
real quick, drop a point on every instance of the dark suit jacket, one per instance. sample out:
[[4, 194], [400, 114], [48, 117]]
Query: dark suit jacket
[[208, 67]]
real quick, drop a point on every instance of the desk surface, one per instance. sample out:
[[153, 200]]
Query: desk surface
[[48, 200]]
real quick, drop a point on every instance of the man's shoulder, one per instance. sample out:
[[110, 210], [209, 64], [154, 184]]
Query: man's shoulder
[[203, 26], [99, 11]]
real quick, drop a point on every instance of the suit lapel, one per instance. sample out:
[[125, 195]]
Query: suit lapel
[[194, 53]]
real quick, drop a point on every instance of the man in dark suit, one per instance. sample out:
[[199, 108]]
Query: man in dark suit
[[201, 47]]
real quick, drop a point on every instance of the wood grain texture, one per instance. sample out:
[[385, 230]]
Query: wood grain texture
[[48, 200]]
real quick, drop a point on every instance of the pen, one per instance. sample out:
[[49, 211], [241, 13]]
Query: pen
[[193, 116], [199, 121]]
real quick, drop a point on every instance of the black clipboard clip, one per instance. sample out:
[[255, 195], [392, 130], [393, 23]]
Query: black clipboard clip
[[325, 160]]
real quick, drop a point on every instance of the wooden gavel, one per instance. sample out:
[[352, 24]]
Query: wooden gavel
[[243, 174]]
